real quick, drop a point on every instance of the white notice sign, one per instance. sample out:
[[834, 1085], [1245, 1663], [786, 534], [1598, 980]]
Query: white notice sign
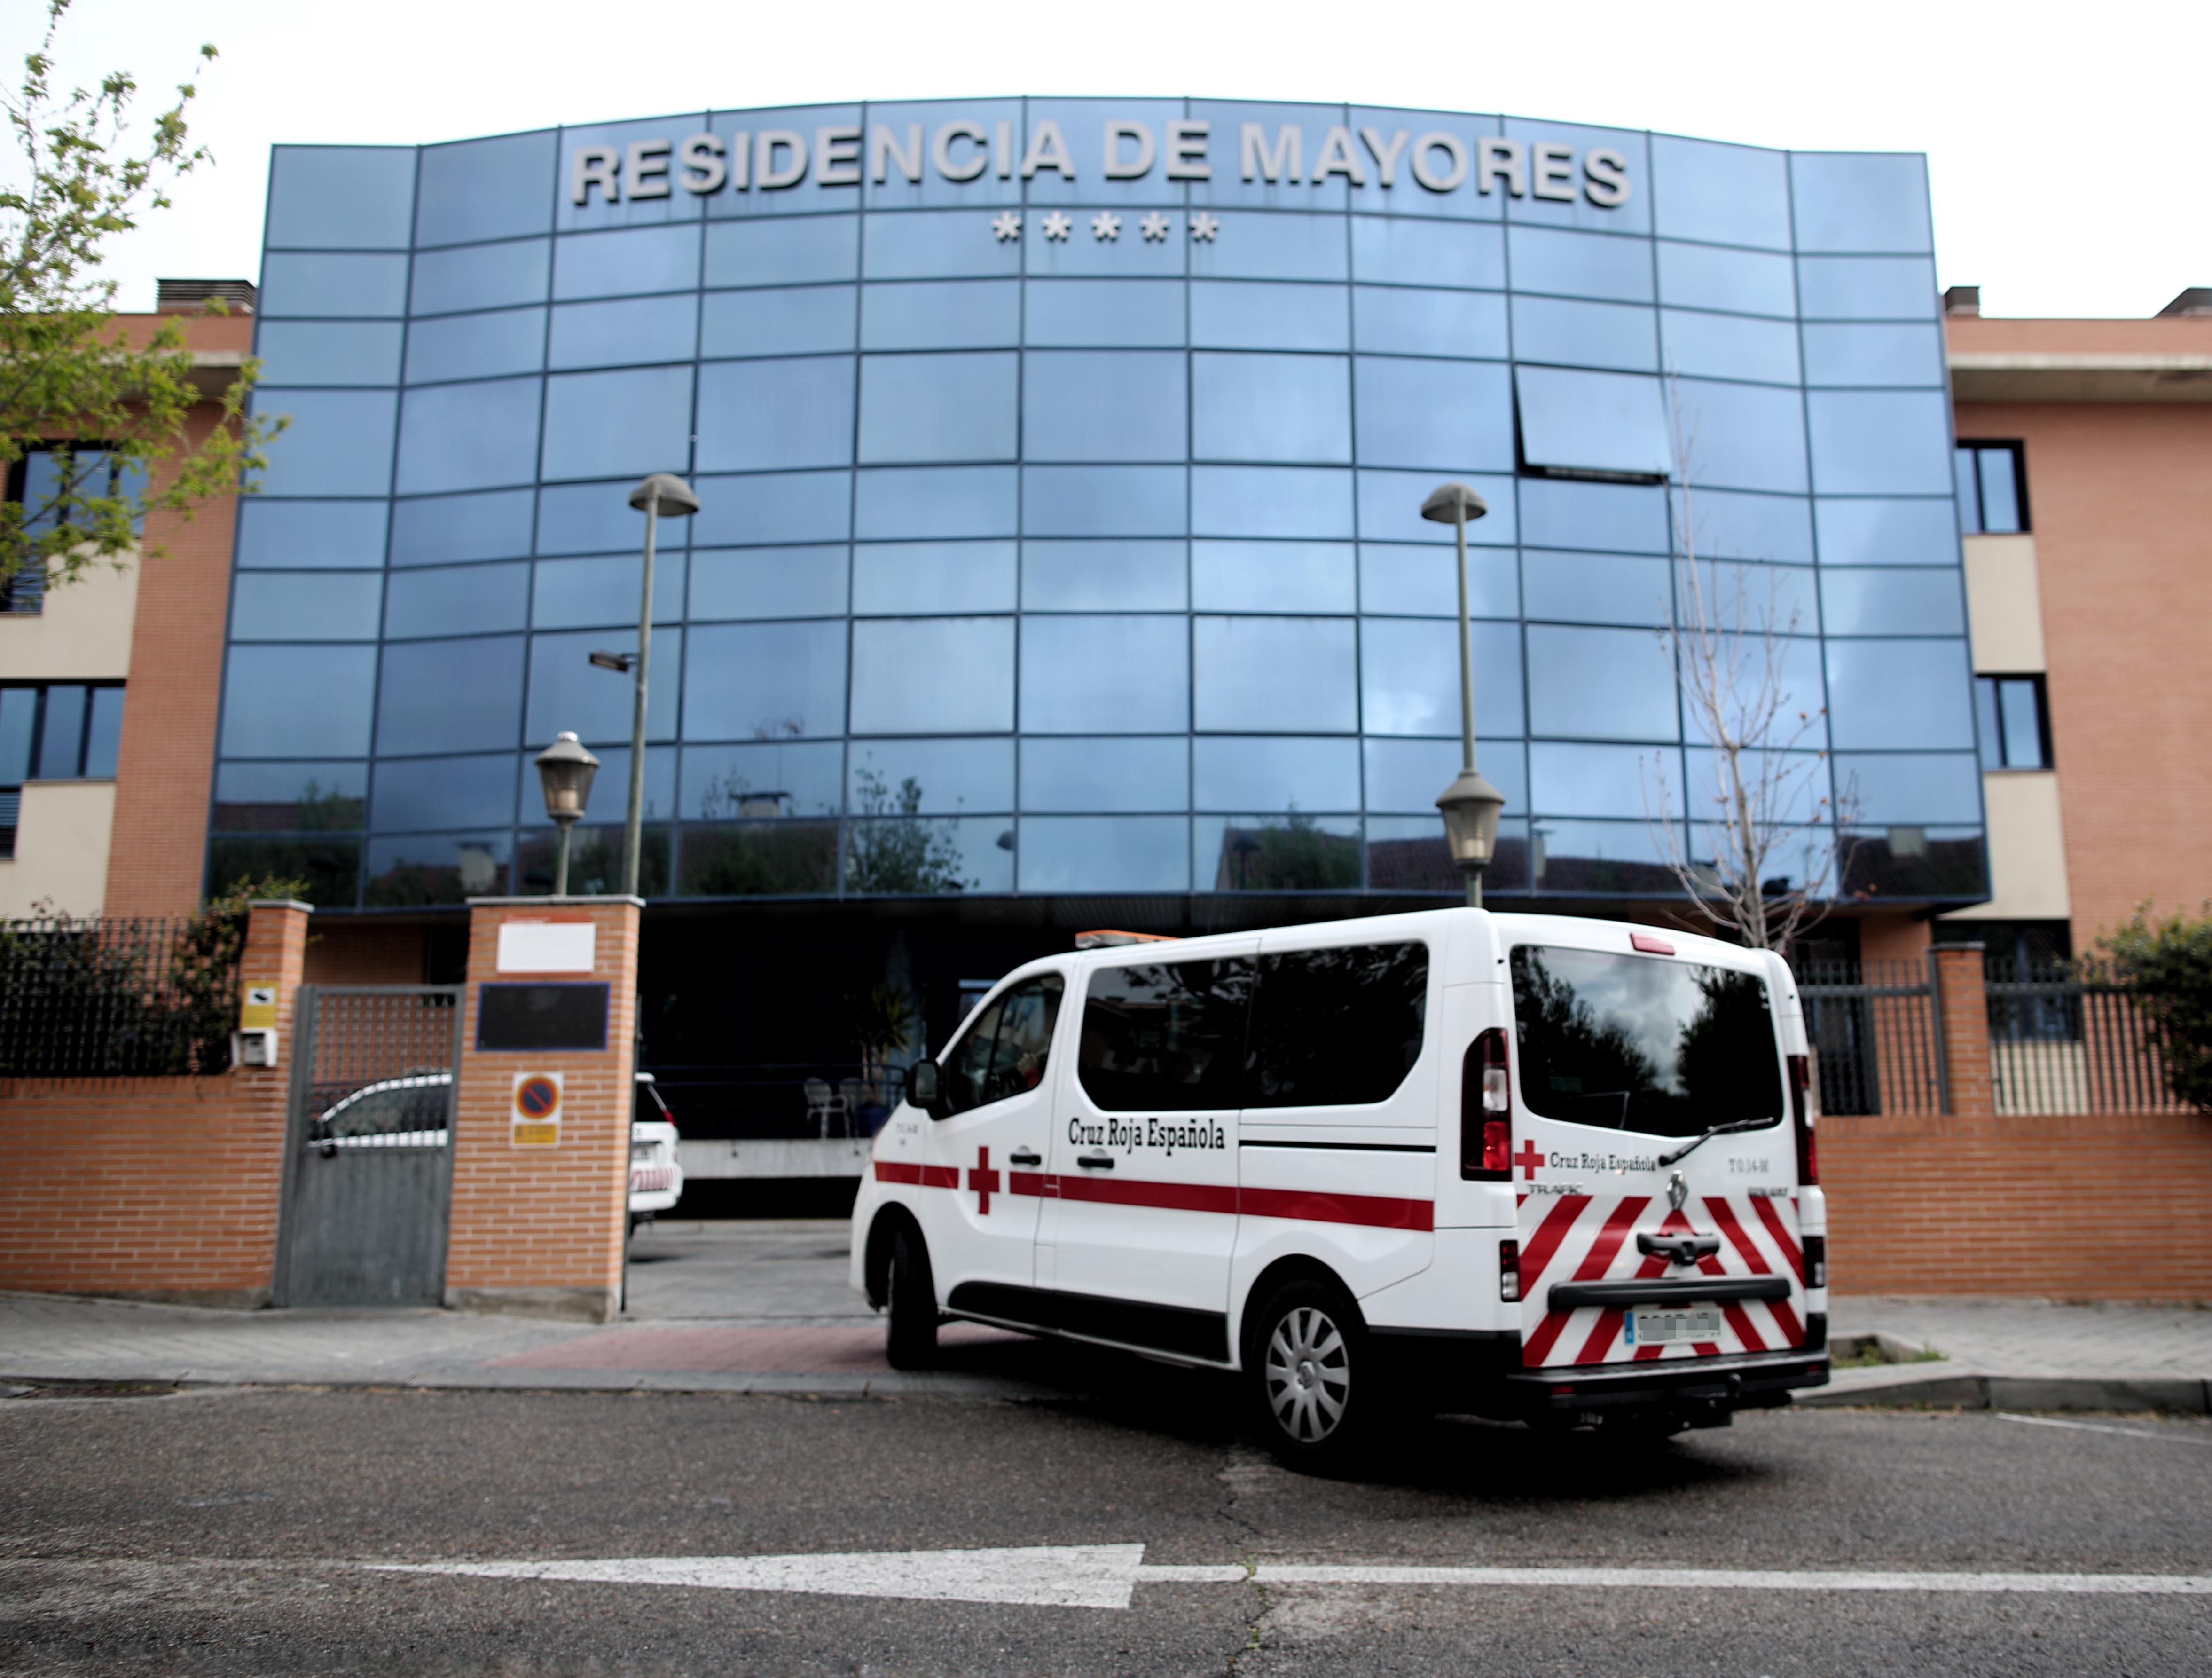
[[547, 947]]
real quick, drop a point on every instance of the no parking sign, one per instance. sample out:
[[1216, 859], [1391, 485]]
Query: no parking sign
[[537, 1113]]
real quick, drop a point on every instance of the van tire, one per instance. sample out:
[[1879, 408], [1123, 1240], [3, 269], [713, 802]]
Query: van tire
[[1309, 1365], [910, 1338]]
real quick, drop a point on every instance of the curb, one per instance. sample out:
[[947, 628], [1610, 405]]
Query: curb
[[733, 1384], [1949, 1390]]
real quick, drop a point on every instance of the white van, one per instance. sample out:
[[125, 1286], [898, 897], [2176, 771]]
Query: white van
[[1518, 1165]]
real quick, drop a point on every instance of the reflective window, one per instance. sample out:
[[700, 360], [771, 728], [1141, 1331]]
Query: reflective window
[[450, 695], [1886, 532], [1408, 773], [1866, 287], [1270, 407], [444, 792], [787, 322], [19, 716], [1595, 588], [486, 189], [1736, 597], [598, 518], [1273, 576], [808, 196], [1005, 1053], [1407, 854], [783, 253], [933, 676], [1392, 251], [781, 507], [1400, 320], [1118, 405], [297, 283], [758, 860], [947, 776], [1637, 782], [1861, 201], [609, 790], [1275, 675], [290, 798], [1401, 579], [1270, 501], [1105, 675], [1615, 335], [632, 421], [1450, 415], [1617, 858], [1254, 314], [1083, 127], [462, 528], [1409, 677], [1166, 1037], [909, 855], [277, 605], [567, 691], [462, 599], [1900, 695], [1600, 684], [1592, 421], [1893, 787], [1724, 526], [1698, 276], [626, 208], [1730, 195], [1274, 248], [1103, 854], [1582, 264], [298, 701], [1874, 354], [948, 315], [632, 260], [765, 681], [912, 577], [1578, 211], [1992, 487], [1291, 851], [1105, 501], [482, 277], [360, 197], [1881, 442], [1134, 773], [1892, 601], [1122, 314], [1742, 437], [1256, 773], [1104, 576], [468, 436], [339, 442], [1130, 256], [61, 736], [758, 415], [1405, 196], [1728, 346], [637, 329], [2015, 717], [436, 868], [326, 535], [949, 244], [476, 346], [1390, 508], [939, 407], [768, 582], [329, 352], [1339, 1027], [1625, 516], [571, 593], [787, 777]]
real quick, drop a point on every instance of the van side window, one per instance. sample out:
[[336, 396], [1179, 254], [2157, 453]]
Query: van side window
[[1006, 1052], [1336, 1028], [1166, 1037]]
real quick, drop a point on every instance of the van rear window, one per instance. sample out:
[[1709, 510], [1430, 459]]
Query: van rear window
[[1639, 1043]]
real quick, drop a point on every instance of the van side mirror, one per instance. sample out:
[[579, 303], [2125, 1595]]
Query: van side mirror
[[925, 1086]]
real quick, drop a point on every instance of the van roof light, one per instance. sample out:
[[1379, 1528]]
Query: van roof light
[[1651, 944]]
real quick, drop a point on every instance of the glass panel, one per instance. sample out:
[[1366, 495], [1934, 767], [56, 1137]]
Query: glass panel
[[1136, 774], [755, 415], [905, 577], [451, 695], [1886, 532], [1256, 774], [1738, 597], [1911, 787], [638, 329], [965, 501], [1166, 1037], [482, 277], [1899, 693], [1255, 315], [804, 197], [1861, 201], [933, 676], [1278, 140], [460, 600], [444, 792], [1105, 501], [61, 739], [1640, 782], [335, 536], [1128, 256], [103, 733], [1881, 442], [783, 506], [1742, 437], [1390, 508], [1270, 501], [298, 701], [1571, 858], [329, 352], [598, 518], [1892, 601], [1273, 576], [765, 681], [1733, 527], [1104, 853], [942, 136], [277, 605], [948, 315], [2017, 706], [1005, 1055], [1603, 685], [783, 253], [630, 422], [1614, 334], [595, 861], [1731, 195], [296, 284], [1122, 314], [1396, 251], [1582, 264], [1293, 852], [777, 323], [1083, 127], [947, 244], [1103, 576], [1120, 404], [758, 860], [1595, 515], [1408, 854], [623, 207], [1867, 288], [1339, 1027], [947, 776], [434, 868], [1273, 247], [1595, 588], [939, 407], [332, 867], [567, 691], [468, 436], [1398, 321], [622, 263], [1408, 774], [1104, 675], [290, 798], [462, 528], [1275, 675], [18, 722], [575, 592], [1874, 355], [2000, 509], [1423, 582], [1700, 277], [768, 582], [610, 790], [1409, 677], [339, 442], [1728, 346], [476, 346], [909, 855], [360, 197], [774, 778], [486, 189], [1592, 421], [1405, 194], [1986, 728], [1270, 407], [1448, 415], [1575, 208]]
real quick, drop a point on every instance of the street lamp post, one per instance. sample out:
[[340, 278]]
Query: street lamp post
[[565, 769], [663, 491], [1470, 804]]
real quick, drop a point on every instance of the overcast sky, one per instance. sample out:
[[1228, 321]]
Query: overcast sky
[[2068, 147]]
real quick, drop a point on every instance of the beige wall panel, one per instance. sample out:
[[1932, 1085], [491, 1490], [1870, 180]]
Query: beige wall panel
[[2004, 603], [83, 635], [2027, 849], [61, 849]]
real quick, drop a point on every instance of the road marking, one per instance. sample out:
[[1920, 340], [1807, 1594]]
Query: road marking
[[1104, 1576], [2102, 1427]]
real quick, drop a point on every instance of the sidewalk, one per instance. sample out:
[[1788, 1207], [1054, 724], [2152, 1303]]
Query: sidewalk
[[764, 1307]]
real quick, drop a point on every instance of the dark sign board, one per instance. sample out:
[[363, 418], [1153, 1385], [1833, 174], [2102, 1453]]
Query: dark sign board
[[542, 1017]]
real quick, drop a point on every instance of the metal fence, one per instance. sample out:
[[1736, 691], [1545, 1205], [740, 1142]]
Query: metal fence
[[1877, 1047], [2071, 1039], [116, 997]]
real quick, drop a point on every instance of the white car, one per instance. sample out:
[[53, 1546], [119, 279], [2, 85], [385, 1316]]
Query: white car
[[656, 1177]]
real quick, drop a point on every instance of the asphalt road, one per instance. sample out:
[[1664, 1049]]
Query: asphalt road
[[239, 1531]]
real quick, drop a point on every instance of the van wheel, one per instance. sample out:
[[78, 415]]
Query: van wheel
[[1308, 1364], [910, 1341]]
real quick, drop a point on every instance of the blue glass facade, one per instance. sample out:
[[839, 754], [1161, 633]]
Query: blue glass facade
[[1060, 527]]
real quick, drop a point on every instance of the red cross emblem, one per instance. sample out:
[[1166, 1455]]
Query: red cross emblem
[[983, 1180], [1527, 1159]]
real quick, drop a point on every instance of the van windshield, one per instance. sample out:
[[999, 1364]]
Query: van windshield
[[1639, 1043]]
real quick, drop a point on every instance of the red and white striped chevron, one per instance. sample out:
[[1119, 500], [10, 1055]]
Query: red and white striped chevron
[[1591, 1238]]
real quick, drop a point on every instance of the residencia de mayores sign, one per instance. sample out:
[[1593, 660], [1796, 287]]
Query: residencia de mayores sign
[[773, 159]]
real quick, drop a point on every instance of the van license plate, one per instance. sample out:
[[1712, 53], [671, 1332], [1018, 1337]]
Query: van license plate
[[1657, 1326]]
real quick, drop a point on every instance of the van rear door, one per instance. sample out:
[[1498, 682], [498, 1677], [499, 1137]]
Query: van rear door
[[1654, 1162]]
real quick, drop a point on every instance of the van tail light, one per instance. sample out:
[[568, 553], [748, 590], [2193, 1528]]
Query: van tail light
[[1800, 1112], [1509, 1271], [1486, 1111], [1816, 1261]]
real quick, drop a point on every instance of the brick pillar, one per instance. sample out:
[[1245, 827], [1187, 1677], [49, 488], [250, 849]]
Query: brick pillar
[[540, 1228], [1964, 1020], [274, 954]]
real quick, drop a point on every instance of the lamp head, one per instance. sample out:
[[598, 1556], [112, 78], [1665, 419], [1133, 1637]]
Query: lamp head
[[565, 769], [1470, 806], [671, 492], [1448, 503]]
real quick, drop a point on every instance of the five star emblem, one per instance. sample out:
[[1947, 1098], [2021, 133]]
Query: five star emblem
[[1056, 225], [1203, 226], [1006, 225], [1105, 225], [1155, 225]]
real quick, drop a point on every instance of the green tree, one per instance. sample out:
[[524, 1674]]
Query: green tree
[[111, 405], [2167, 964], [897, 849]]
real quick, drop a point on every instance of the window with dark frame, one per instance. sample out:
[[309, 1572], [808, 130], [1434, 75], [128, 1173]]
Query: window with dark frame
[[1992, 487], [31, 482], [54, 731], [2013, 713]]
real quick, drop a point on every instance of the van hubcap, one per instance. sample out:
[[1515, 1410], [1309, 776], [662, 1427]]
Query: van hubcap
[[1307, 1374]]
